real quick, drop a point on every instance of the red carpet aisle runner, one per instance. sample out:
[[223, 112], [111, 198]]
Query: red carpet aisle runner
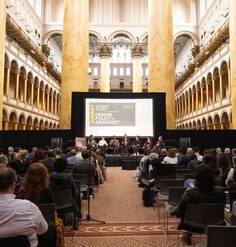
[[118, 202]]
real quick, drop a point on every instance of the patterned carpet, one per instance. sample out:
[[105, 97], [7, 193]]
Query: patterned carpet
[[119, 203]]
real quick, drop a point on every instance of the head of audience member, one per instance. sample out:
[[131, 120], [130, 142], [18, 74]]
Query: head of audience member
[[72, 152], [209, 159], [36, 181], [223, 161], [58, 152], [39, 155], [7, 179], [24, 154], [10, 149], [204, 177], [3, 161], [12, 156], [17, 149], [15, 165], [51, 154], [218, 151], [46, 148], [196, 150], [160, 138], [60, 165], [85, 154], [171, 152], [189, 151], [153, 155], [163, 152], [227, 151]]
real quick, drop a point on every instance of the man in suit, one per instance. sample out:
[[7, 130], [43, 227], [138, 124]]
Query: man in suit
[[49, 161], [86, 166]]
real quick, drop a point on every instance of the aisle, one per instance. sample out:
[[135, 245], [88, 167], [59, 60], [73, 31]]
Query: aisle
[[118, 202]]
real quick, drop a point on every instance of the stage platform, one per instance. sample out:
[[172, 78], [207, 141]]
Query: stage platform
[[127, 162]]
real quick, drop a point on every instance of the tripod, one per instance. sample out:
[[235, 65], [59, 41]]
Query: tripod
[[88, 217]]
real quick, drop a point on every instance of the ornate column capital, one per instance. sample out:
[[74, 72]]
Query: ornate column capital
[[104, 50], [137, 50]]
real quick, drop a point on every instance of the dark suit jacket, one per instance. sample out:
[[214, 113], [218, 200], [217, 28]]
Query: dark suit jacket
[[49, 163], [83, 167]]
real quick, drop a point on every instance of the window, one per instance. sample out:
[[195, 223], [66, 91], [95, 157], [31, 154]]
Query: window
[[38, 7], [121, 71], [115, 71], [128, 71], [95, 71]]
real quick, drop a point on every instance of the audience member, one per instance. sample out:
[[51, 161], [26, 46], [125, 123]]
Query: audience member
[[3, 161], [35, 186], [49, 161], [197, 153], [193, 162], [223, 163], [18, 217], [171, 157], [72, 159], [39, 155], [203, 192]]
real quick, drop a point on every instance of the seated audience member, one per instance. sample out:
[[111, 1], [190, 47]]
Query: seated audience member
[[211, 160], [114, 144], [185, 158], [17, 216], [125, 144], [39, 155], [3, 161], [223, 163], [148, 144], [86, 166], [193, 163], [162, 154], [230, 176], [227, 151], [35, 186], [136, 144], [32, 153], [101, 163], [197, 153], [72, 159], [60, 180], [49, 161], [79, 151], [58, 152], [218, 151], [91, 143], [203, 192], [171, 157]]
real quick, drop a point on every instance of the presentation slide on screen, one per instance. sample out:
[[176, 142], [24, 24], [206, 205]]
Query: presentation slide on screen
[[108, 117]]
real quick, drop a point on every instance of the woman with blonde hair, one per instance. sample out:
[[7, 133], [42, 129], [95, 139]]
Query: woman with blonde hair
[[35, 186]]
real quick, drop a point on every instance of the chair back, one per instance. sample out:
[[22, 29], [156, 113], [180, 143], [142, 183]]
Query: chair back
[[159, 178], [17, 241], [203, 215], [175, 195], [48, 212], [63, 199], [181, 172], [82, 178], [165, 184], [220, 236]]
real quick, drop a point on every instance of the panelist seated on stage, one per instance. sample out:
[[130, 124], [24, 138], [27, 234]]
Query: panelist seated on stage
[[136, 144], [91, 143], [160, 143], [125, 144], [114, 144], [148, 144], [86, 166], [102, 144]]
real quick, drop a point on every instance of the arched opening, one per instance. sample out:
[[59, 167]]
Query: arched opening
[[22, 124], [28, 90], [225, 121], [216, 76], [29, 123], [6, 74], [210, 122], [225, 80], [4, 120], [217, 122], [13, 121], [209, 83], [13, 79]]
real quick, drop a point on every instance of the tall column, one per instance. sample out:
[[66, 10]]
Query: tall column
[[38, 90], [8, 81], [17, 86], [75, 52], [213, 92], [207, 94], [202, 100], [25, 90], [137, 55], [221, 88], [15, 126], [47, 102], [32, 94], [43, 99], [105, 52], [197, 105], [161, 55], [52, 104], [192, 102], [232, 38], [2, 53], [55, 107], [6, 123], [229, 81]]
